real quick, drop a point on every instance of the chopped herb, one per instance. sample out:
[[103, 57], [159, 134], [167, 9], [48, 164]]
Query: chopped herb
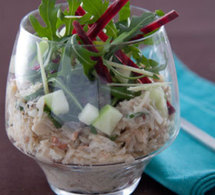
[[93, 130], [113, 137], [21, 108], [121, 93], [159, 13], [134, 115], [57, 123]]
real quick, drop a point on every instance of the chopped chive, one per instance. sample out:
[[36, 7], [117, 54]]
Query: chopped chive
[[113, 137], [56, 122], [134, 115], [93, 130]]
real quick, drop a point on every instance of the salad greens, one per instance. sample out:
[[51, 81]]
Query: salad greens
[[83, 49], [48, 12], [125, 12], [94, 9]]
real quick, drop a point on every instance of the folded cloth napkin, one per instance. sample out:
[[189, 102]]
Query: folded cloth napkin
[[187, 166]]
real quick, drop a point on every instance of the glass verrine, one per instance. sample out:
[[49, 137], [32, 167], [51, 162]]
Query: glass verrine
[[90, 123]]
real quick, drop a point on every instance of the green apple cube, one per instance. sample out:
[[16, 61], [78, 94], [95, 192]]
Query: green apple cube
[[57, 102], [158, 97], [107, 120], [88, 114]]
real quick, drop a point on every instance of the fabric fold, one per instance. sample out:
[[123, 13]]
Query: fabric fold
[[204, 184]]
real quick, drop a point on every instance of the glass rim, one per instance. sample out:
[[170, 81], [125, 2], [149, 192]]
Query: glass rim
[[34, 36]]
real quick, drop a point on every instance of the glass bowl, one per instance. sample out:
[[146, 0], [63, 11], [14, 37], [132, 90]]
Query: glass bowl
[[78, 158]]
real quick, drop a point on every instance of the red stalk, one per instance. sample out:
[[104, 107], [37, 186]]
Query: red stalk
[[126, 60], [80, 12], [101, 69], [103, 36], [99, 25], [157, 24], [160, 22]]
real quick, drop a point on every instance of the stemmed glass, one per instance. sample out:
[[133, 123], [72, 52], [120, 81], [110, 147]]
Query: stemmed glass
[[76, 158]]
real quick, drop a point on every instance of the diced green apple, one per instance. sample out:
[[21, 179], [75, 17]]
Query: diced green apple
[[88, 114], [57, 102], [158, 97], [107, 120]]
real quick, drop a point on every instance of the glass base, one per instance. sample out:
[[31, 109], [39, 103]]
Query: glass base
[[125, 191]]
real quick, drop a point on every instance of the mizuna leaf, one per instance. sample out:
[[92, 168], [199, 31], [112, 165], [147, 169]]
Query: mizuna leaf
[[100, 68], [73, 6], [84, 57], [134, 28], [125, 12], [95, 8], [48, 12]]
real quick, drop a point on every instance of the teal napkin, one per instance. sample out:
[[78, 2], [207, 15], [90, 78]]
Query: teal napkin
[[187, 166]]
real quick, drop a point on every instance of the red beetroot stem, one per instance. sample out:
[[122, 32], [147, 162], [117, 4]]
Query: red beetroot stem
[[99, 25], [157, 24], [101, 69], [160, 22], [126, 60], [80, 12]]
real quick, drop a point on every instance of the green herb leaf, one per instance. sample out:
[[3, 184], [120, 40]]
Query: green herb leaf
[[93, 130], [159, 13], [111, 30], [137, 22], [84, 56], [125, 12], [57, 123], [86, 19], [121, 93], [19, 107], [153, 66], [113, 137], [48, 12], [67, 21], [134, 115], [73, 6], [95, 8]]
